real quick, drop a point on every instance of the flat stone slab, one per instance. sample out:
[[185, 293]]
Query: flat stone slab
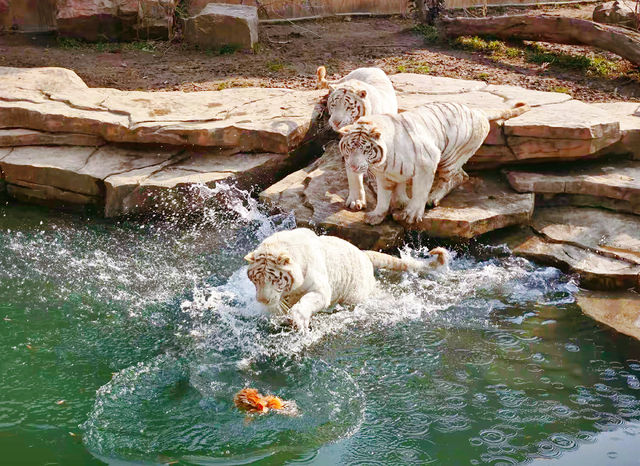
[[532, 97], [619, 310], [557, 127], [316, 195], [220, 24], [247, 119], [481, 205], [567, 120], [628, 113], [125, 180], [602, 247], [412, 83], [29, 137], [616, 180], [173, 186]]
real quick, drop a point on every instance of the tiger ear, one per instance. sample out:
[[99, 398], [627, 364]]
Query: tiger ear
[[375, 133], [250, 257], [283, 259], [362, 93], [345, 130]]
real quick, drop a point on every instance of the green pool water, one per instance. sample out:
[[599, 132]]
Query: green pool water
[[124, 343]]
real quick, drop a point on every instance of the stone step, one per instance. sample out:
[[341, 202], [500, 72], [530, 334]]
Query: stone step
[[602, 247], [247, 119], [123, 180], [316, 195], [613, 185]]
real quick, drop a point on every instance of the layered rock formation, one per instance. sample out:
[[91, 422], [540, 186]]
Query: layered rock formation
[[66, 145]]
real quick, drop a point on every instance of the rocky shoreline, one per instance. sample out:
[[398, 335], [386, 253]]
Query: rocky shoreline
[[566, 171]]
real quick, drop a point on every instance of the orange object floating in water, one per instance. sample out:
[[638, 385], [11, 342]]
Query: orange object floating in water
[[250, 400]]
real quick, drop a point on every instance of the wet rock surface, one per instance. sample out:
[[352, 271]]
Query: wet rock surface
[[619, 310], [602, 247]]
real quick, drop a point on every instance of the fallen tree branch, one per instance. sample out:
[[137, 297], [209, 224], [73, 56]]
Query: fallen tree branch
[[547, 28]]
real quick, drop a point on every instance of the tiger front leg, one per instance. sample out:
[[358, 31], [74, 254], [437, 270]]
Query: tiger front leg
[[385, 192], [357, 199], [400, 197], [302, 311], [422, 183]]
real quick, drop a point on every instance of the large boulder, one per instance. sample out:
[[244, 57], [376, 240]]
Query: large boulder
[[97, 20], [218, 25], [620, 12]]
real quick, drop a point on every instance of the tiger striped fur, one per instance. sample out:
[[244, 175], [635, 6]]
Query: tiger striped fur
[[427, 146], [363, 92], [298, 273]]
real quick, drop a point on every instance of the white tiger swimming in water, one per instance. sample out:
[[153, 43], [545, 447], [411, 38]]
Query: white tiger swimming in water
[[430, 142], [363, 92], [299, 273]]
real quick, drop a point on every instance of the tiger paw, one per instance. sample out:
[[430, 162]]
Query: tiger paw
[[373, 218], [355, 204], [408, 215]]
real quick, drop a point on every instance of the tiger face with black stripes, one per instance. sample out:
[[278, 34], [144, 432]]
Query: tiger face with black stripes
[[346, 104], [426, 147], [274, 275], [364, 91]]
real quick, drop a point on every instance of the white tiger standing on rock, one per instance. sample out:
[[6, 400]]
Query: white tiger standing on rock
[[429, 143], [363, 92], [298, 273]]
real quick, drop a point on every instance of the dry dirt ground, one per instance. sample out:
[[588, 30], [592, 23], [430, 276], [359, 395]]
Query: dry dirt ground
[[288, 55]]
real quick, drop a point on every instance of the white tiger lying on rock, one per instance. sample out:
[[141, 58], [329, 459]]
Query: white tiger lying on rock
[[430, 142], [363, 92], [300, 273]]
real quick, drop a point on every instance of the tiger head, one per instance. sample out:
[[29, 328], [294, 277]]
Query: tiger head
[[346, 104], [274, 274], [362, 146]]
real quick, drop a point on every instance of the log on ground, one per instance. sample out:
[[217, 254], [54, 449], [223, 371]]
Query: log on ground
[[547, 28]]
